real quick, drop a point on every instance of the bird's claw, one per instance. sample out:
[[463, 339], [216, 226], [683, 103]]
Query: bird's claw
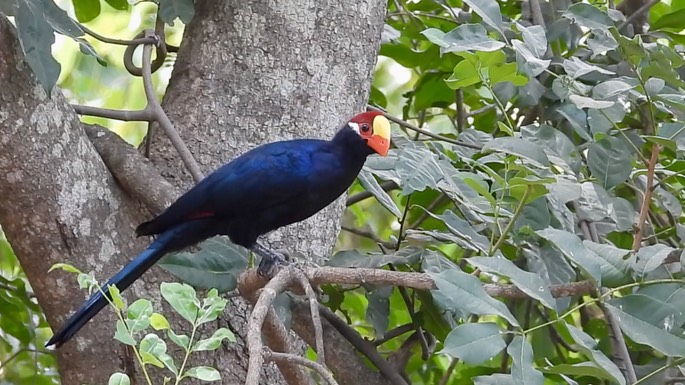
[[271, 262]]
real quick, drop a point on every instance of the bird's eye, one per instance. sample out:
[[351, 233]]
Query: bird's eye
[[365, 127]]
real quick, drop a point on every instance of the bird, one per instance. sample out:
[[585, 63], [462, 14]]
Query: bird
[[268, 187]]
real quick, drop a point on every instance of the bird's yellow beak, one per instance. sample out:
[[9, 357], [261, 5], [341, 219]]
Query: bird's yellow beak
[[380, 140]]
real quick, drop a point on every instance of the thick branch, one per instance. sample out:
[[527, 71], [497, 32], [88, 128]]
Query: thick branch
[[134, 172], [263, 318]]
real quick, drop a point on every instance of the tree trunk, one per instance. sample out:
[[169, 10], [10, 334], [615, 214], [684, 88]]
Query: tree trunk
[[248, 72], [60, 204]]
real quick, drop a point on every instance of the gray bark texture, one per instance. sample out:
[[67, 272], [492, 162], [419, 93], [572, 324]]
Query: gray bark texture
[[60, 204], [247, 72]]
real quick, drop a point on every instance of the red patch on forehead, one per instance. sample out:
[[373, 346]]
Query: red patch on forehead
[[366, 117]]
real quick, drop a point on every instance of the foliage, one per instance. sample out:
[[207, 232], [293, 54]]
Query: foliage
[[543, 142], [23, 329], [151, 350]]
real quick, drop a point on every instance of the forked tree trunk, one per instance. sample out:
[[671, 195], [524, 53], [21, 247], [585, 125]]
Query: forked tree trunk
[[248, 72]]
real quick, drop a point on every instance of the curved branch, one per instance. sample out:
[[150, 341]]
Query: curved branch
[[291, 358], [163, 119], [134, 172]]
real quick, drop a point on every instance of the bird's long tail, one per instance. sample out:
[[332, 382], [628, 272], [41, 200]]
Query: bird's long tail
[[122, 280]]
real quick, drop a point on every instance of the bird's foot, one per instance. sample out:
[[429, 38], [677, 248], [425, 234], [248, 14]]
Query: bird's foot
[[271, 261]]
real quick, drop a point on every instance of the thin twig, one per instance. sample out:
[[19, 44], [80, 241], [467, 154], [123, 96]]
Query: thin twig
[[254, 335], [11, 358], [461, 112], [448, 373], [108, 40], [292, 358], [368, 234], [424, 132], [424, 14], [316, 317], [647, 197], [431, 206], [481, 110], [360, 196], [145, 115], [637, 13], [364, 347], [163, 119], [512, 221], [396, 332], [619, 344], [536, 11]]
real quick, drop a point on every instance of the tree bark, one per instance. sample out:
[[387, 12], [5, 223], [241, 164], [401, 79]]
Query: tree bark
[[60, 204], [248, 72], [251, 72]]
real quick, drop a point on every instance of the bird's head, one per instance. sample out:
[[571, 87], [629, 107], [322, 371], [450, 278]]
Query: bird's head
[[374, 129]]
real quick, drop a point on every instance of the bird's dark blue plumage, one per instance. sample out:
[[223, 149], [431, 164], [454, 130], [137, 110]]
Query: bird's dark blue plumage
[[266, 188]]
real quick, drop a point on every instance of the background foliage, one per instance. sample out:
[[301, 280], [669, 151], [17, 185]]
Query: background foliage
[[545, 123]]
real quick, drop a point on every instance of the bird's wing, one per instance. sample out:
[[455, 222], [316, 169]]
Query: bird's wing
[[262, 178]]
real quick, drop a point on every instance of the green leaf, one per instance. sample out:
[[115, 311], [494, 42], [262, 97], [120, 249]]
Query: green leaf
[[212, 307], [466, 235], [662, 313], [610, 161], [535, 38], [474, 343], [615, 268], [353, 258], [169, 10], [465, 74], [589, 369], [419, 169], [495, 379], [66, 267], [121, 334], [168, 361], [378, 308], [86, 10], [36, 38], [489, 11], [585, 102], [465, 292], [121, 5], [119, 379], [587, 346], [151, 348], [557, 146], [526, 60], [522, 364], [651, 257], [159, 322], [529, 283], [506, 73], [181, 340], [370, 184], [138, 315], [213, 342], [576, 68], [217, 265], [466, 37], [674, 20], [182, 298], [521, 148], [644, 333], [571, 246], [115, 296], [204, 373], [588, 16]]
